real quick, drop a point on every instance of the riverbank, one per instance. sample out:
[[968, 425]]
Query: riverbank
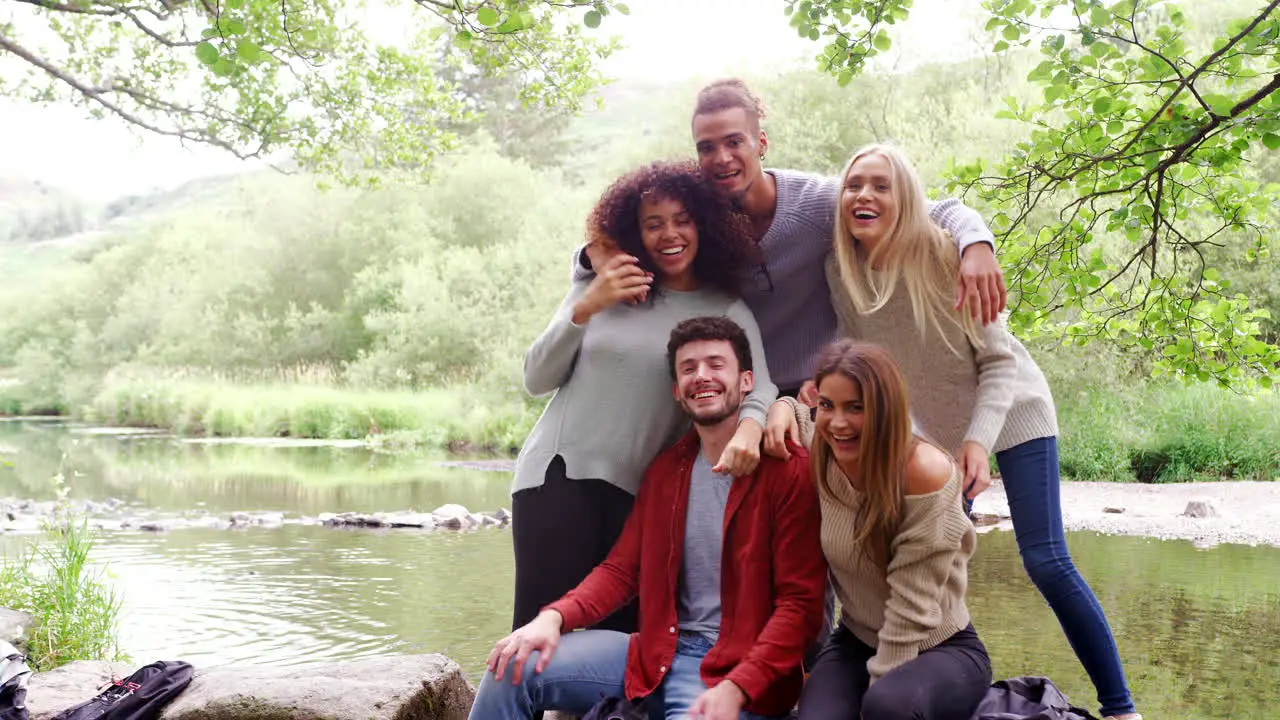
[[1231, 512]]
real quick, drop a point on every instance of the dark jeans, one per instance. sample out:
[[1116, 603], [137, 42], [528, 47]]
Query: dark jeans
[[562, 529], [943, 683], [1031, 482]]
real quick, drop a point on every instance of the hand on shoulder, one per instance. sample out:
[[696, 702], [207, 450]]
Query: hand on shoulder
[[928, 469]]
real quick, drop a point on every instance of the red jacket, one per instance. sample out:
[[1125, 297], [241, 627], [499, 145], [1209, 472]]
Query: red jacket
[[771, 585]]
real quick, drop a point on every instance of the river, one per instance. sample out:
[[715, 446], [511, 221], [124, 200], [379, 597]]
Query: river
[[1195, 627]]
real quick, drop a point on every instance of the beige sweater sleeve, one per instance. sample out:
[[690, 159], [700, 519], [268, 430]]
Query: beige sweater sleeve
[[921, 558], [997, 378], [803, 419]]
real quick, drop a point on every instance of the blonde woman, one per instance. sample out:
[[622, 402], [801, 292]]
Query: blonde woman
[[974, 390]]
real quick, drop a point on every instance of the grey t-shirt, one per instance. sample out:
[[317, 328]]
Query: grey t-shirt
[[699, 607]]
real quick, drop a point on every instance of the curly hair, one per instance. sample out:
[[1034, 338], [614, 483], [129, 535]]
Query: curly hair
[[725, 242], [709, 327]]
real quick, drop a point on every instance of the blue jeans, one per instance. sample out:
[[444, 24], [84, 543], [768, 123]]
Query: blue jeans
[[1031, 482], [587, 666]]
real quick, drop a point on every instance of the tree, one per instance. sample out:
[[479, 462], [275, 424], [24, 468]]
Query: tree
[[1136, 175], [300, 78]]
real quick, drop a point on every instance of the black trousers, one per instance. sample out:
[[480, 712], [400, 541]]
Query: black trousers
[[562, 529], [945, 682]]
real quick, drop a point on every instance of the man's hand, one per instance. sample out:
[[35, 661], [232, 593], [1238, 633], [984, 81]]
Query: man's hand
[[722, 702], [600, 249], [541, 634], [780, 423], [742, 454], [808, 394], [621, 279], [975, 468], [981, 283]]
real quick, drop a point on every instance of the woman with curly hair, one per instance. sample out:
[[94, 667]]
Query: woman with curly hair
[[604, 356]]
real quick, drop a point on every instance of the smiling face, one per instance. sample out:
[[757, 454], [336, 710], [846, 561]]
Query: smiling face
[[729, 145], [709, 382], [869, 202], [840, 417], [670, 237]]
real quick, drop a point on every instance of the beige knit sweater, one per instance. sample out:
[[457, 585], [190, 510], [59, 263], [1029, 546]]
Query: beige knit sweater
[[994, 395], [918, 600]]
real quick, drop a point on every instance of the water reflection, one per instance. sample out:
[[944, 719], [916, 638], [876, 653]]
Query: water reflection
[[168, 474]]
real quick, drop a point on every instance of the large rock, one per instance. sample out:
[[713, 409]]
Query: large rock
[[401, 687], [14, 627], [1202, 507]]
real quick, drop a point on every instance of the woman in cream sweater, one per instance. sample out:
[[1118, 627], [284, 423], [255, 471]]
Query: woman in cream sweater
[[974, 390], [898, 545]]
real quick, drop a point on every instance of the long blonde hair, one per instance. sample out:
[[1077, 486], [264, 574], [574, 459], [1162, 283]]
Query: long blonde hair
[[884, 447], [915, 250]]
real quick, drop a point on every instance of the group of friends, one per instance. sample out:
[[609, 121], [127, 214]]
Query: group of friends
[[774, 390]]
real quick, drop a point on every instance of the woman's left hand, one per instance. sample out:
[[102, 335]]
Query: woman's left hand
[[975, 467], [742, 454]]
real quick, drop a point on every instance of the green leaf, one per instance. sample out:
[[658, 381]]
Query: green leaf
[[233, 27], [235, 4], [622, 8], [206, 53], [1101, 105], [1219, 104], [882, 41], [591, 19], [1272, 141], [248, 51], [844, 78], [224, 67], [487, 16], [462, 39]]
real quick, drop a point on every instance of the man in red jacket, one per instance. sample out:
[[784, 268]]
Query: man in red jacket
[[729, 572]]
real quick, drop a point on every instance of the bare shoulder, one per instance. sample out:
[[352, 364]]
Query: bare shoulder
[[928, 470]]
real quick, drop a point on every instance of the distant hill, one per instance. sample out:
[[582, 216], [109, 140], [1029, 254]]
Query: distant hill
[[31, 210]]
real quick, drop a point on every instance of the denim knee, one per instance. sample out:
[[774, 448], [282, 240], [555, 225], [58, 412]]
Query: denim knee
[[1048, 568]]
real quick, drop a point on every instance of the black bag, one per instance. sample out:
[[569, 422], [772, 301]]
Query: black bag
[[14, 674], [616, 708], [1027, 698], [141, 696]]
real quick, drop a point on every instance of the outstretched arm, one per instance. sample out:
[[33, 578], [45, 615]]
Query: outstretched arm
[[981, 282]]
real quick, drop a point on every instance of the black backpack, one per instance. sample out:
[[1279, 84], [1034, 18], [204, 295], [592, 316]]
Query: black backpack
[[14, 674], [141, 696], [616, 708]]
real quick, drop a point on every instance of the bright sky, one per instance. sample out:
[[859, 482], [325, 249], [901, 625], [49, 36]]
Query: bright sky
[[104, 159]]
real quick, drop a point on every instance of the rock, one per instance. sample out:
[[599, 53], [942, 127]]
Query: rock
[[475, 520], [269, 519], [48, 693], [1113, 510], [452, 516], [154, 526], [240, 518], [502, 515], [489, 521], [1201, 508], [404, 687], [413, 687], [14, 627], [410, 519]]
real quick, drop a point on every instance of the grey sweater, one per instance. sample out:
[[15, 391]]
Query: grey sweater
[[796, 316], [994, 395], [792, 301], [613, 409]]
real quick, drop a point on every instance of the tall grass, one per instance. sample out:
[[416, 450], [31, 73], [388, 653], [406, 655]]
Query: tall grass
[[76, 609], [391, 419]]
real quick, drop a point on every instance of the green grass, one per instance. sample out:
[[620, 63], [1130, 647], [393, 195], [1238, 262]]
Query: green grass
[[76, 610], [1170, 433], [391, 420]]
